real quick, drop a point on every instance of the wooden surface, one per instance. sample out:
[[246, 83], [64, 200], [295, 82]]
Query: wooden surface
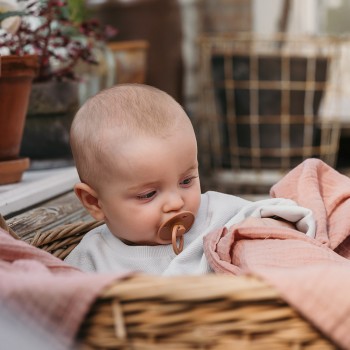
[[64, 209]]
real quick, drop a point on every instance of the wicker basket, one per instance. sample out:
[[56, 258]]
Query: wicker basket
[[187, 312], [260, 107]]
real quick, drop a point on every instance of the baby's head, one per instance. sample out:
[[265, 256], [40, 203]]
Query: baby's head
[[136, 155]]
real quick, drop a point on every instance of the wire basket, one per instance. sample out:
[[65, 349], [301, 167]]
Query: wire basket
[[185, 312], [263, 103]]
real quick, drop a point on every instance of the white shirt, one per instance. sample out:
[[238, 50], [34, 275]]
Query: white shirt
[[101, 251]]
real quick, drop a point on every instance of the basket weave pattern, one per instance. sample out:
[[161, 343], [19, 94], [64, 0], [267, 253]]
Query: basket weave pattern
[[62, 240]]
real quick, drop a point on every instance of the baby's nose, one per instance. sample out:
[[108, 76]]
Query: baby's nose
[[174, 202]]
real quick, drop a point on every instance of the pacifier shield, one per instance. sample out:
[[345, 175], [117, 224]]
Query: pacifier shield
[[185, 219]]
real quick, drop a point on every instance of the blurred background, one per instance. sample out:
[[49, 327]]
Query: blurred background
[[172, 29]]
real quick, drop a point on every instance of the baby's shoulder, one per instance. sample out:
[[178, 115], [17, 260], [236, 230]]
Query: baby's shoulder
[[89, 241]]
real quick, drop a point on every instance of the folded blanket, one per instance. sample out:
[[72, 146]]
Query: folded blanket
[[312, 274], [44, 295], [317, 186]]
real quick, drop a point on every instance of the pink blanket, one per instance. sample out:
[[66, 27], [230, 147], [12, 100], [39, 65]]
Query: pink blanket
[[313, 275], [42, 300]]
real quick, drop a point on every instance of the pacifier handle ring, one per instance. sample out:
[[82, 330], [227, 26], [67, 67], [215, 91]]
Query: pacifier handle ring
[[177, 248]]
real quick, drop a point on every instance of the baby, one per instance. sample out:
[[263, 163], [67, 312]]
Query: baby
[[136, 154]]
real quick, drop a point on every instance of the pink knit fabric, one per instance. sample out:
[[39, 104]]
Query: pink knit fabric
[[313, 275], [45, 294]]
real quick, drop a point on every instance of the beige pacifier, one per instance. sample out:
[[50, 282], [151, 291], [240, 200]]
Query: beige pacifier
[[175, 228]]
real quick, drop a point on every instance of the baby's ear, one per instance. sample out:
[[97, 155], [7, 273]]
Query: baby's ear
[[89, 198]]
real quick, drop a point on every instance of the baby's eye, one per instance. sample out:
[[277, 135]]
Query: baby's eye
[[147, 195], [187, 181]]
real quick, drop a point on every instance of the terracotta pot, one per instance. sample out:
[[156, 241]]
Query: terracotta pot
[[11, 170], [16, 76]]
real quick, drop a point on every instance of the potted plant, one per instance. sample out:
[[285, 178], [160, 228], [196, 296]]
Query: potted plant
[[16, 76], [60, 34]]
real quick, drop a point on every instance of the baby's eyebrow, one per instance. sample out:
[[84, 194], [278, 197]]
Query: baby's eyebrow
[[141, 185], [192, 167]]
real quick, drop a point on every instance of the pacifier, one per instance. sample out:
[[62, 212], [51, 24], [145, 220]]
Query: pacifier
[[175, 228]]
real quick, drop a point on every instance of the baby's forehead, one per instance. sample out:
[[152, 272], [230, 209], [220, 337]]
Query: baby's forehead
[[145, 125], [119, 139], [136, 155], [146, 155]]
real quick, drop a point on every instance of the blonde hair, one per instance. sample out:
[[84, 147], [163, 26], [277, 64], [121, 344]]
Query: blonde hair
[[127, 109]]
